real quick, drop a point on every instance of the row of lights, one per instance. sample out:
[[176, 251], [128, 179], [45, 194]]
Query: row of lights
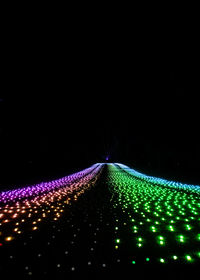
[[187, 258], [35, 190]]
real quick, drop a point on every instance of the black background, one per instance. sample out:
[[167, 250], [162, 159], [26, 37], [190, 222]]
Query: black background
[[74, 94]]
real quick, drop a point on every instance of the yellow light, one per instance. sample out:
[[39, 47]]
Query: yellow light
[[9, 238], [14, 216]]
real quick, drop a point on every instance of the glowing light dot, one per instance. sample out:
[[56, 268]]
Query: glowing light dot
[[9, 238], [188, 258]]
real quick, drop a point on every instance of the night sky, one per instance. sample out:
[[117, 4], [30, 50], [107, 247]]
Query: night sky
[[63, 108]]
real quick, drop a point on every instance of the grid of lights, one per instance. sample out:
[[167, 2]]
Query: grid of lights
[[25, 209], [145, 220], [162, 217]]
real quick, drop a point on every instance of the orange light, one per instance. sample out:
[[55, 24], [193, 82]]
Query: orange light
[[9, 238]]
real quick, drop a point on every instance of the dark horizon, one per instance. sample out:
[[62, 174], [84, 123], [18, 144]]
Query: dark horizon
[[58, 122]]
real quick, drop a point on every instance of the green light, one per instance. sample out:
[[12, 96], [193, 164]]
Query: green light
[[133, 262], [162, 208], [181, 238], [153, 229], [188, 227], [188, 258], [171, 228], [147, 259], [117, 241], [161, 240]]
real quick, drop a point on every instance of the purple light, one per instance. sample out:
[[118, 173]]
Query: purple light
[[48, 197], [43, 188]]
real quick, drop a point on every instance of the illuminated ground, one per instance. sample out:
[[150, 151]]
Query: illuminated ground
[[106, 218]]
